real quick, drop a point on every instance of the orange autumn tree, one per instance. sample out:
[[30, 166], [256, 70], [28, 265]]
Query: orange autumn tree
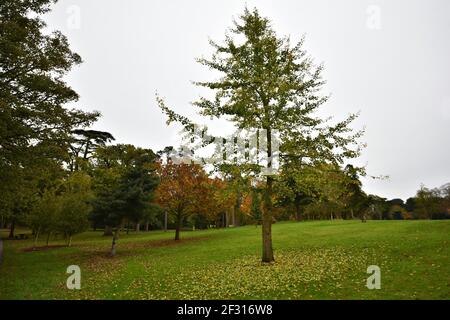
[[182, 191]]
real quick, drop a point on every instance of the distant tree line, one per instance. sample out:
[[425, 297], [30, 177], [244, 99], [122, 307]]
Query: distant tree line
[[426, 204]]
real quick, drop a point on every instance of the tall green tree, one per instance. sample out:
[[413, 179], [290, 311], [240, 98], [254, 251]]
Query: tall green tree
[[266, 83], [32, 90], [83, 145], [297, 186], [124, 185], [35, 125]]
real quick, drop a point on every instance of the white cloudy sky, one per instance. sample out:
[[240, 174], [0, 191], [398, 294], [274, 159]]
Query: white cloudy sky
[[395, 70]]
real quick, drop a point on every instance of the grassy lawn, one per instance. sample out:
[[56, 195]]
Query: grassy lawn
[[314, 260]]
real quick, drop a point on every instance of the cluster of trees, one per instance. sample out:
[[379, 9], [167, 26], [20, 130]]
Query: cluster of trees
[[124, 187], [36, 128], [62, 209], [59, 177], [228, 196], [426, 204]]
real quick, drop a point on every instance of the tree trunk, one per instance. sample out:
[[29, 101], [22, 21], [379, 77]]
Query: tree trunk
[[69, 243], [351, 212], [86, 150], [233, 216], [236, 210], [48, 237], [108, 231], [226, 218], [165, 221], [267, 255], [147, 226], [177, 232], [267, 224], [138, 227], [297, 210], [177, 229], [114, 240], [11, 229], [36, 236]]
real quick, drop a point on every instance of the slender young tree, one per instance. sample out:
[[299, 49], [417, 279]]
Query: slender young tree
[[266, 83], [75, 207]]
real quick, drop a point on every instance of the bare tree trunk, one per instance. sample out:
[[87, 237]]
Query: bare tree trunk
[[11, 229], [267, 224], [69, 243], [267, 212], [114, 240], [36, 236], [227, 218], [233, 216], [236, 210], [177, 232], [178, 226], [86, 150], [165, 221], [147, 226], [138, 227], [48, 237], [297, 211]]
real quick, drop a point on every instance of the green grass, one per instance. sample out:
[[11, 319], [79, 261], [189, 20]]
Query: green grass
[[314, 260]]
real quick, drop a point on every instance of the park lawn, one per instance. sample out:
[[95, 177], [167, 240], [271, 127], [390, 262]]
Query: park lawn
[[314, 260]]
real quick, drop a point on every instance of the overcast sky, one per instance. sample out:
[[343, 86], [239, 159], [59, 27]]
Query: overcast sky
[[387, 59]]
